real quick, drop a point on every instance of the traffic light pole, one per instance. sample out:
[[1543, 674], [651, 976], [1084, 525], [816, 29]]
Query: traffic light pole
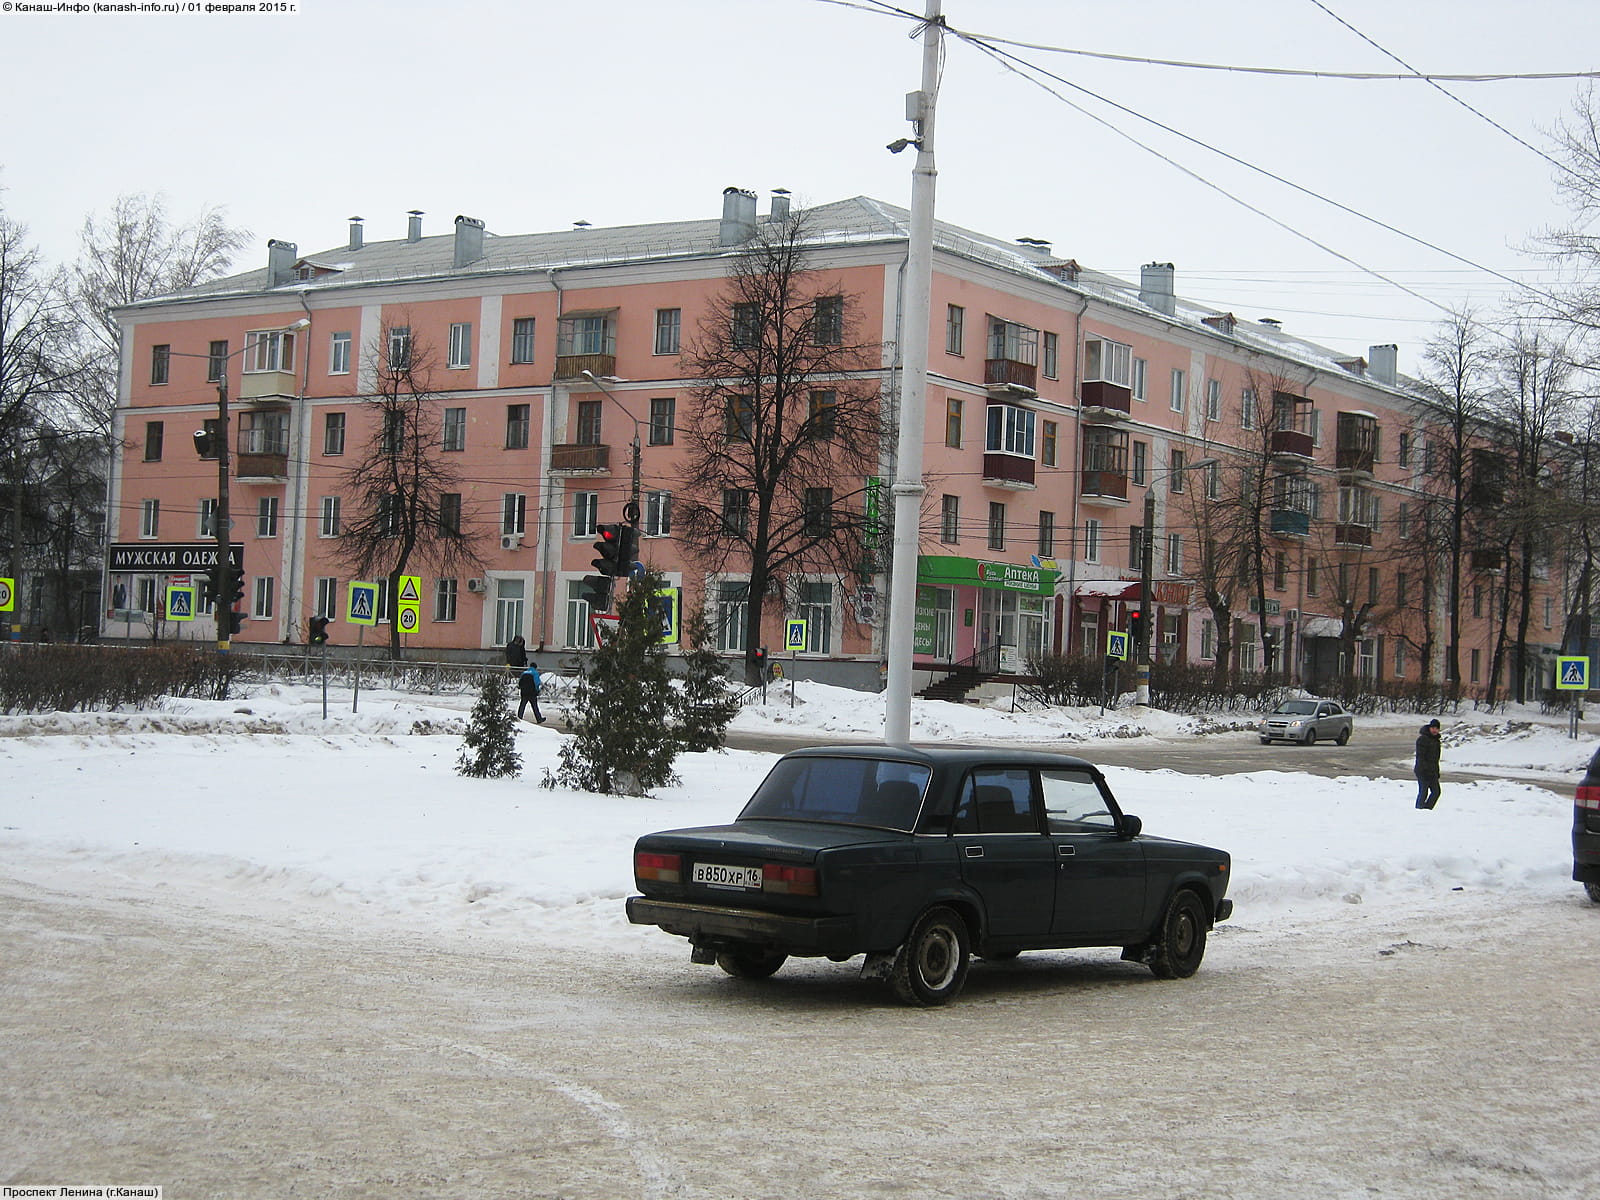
[[1146, 608], [224, 530]]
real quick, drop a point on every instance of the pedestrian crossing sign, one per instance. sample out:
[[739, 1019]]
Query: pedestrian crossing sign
[[1572, 673], [180, 604], [1116, 644], [363, 606], [794, 635]]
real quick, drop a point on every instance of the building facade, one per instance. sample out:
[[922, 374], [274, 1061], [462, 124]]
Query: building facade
[[1058, 400]]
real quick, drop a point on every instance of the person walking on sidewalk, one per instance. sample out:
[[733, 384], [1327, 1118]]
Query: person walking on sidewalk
[[1427, 765], [528, 684]]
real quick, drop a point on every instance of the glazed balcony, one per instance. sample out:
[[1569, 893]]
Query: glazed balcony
[[580, 458]]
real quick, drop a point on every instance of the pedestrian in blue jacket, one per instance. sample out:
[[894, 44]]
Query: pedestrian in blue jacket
[[528, 684]]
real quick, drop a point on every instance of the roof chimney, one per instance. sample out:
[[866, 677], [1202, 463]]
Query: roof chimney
[[1384, 364], [280, 261], [355, 233], [414, 225], [469, 240], [738, 217], [780, 204], [1271, 322], [1155, 287]]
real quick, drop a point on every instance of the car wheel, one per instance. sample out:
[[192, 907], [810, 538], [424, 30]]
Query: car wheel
[[932, 965], [1344, 736], [1266, 741], [1180, 941], [750, 962], [1594, 891], [1310, 738]]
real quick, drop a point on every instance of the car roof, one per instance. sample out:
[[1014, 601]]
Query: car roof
[[946, 756]]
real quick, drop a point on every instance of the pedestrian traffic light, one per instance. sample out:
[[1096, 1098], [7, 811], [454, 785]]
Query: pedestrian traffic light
[[609, 546], [760, 660], [595, 591], [319, 630]]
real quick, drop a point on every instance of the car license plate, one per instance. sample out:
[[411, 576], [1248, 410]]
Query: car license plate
[[720, 875]]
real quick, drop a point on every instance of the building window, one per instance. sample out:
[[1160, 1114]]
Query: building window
[[817, 509], [739, 419], [827, 322], [339, 354], [446, 594], [816, 606], [267, 517], [952, 422], [217, 362], [327, 604], [589, 423], [399, 347], [997, 525], [1549, 612], [950, 520], [460, 346], [392, 440], [732, 611], [455, 429], [663, 419], [513, 513], [1174, 554], [261, 598], [1477, 664], [1052, 356], [591, 334], [1091, 539], [154, 435], [522, 340], [330, 525], [1136, 547], [1141, 379], [1141, 462], [1280, 571], [160, 363], [519, 419], [657, 514], [207, 526], [265, 432], [585, 514], [1105, 361], [390, 516], [1372, 585], [508, 609], [669, 325], [1400, 598], [1213, 399], [1403, 457], [1399, 658], [1175, 473], [149, 518], [824, 411], [1180, 385], [1011, 430], [333, 433], [1313, 577], [1047, 451], [746, 324], [271, 351], [1208, 638], [450, 512], [1247, 409], [735, 512], [955, 321]]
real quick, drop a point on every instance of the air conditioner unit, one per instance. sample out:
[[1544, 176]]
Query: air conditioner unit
[[510, 541], [477, 585]]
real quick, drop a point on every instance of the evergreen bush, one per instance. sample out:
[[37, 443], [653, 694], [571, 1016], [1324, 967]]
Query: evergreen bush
[[705, 705], [489, 749]]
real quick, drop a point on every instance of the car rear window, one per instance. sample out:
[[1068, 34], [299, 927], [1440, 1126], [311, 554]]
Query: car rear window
[[880, 793]]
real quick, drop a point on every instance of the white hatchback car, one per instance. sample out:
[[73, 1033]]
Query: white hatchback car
[[1306, 722]]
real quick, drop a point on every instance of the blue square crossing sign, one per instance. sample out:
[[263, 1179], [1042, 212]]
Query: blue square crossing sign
[[1572, 673]]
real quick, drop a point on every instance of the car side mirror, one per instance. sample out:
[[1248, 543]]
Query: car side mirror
[[1132, 826]]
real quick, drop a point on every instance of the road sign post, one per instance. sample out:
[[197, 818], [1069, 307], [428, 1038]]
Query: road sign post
[[361, 611]]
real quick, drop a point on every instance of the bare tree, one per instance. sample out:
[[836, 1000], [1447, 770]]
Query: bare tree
[[783, 433], [133, 253], [405, 496]]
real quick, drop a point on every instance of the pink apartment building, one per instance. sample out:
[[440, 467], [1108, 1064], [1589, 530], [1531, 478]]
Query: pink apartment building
[[1057, 399]]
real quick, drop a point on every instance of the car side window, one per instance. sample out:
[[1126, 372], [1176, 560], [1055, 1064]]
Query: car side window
[[1074, 803], [996, 800]]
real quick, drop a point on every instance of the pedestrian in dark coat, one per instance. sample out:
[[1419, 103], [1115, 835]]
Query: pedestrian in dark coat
[[528, 684], [517, 653], [1427, 766]]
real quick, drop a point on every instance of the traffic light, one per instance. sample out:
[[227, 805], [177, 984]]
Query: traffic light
[[595, 591], [319, 631], [609, 546], [760, 660], [235, 621], [236, 589], [208, 590], [1136, 625]]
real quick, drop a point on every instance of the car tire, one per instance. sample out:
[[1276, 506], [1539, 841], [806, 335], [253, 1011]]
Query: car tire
[[931, 967], [1266, 741], [1180, 939], [1594, 891], [1344, 736], [1310, 738], [750, 962]]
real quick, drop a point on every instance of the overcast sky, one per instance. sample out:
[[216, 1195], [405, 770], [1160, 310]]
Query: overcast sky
[[530, 115]]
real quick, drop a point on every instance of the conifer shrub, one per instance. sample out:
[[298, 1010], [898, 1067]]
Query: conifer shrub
[[489, 748]]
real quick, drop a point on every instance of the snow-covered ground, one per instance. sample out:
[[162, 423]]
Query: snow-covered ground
[[261, 805]]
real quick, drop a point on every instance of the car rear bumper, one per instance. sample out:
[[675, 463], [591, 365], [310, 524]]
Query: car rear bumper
[[703, 924]]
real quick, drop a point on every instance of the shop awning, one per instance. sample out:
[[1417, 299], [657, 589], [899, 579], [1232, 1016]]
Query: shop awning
[[1110, 589], [1320, 627]]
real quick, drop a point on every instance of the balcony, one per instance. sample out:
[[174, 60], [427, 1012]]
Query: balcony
[[1291, 447], [1104, 402], [1008, 470], [572, 366], [1104, 487], [1008, 375], [1287, 522], [584, 457], [260, 468], [267, 385], [1488, 559], [1356, 448], [1353, 535]]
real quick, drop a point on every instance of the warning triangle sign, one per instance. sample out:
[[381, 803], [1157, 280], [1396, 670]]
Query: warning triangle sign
[[410, 587]]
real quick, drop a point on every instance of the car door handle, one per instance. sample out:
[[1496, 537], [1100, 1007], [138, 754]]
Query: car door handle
[[972, 851], [1066, 851]]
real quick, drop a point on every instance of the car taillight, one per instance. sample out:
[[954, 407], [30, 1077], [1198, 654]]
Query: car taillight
[[1588, 796], [663, 868], [788, 881]]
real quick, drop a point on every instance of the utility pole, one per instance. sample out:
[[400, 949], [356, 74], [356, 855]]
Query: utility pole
[[908, 486], [223, 574], [1147, 610]]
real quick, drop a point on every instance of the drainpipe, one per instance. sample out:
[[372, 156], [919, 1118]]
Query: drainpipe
[[547, 532], [295, 501], [1077, 473]]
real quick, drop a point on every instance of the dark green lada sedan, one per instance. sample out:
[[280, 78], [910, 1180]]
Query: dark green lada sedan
[[919, 858]]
